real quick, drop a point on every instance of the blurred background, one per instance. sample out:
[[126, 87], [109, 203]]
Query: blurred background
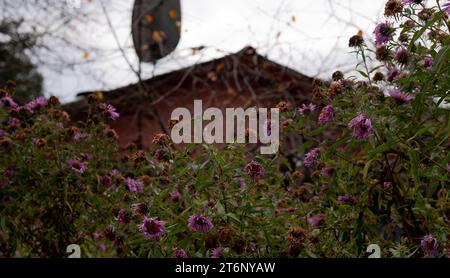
[[63, 47]]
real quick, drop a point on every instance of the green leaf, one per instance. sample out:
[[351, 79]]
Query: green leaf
[[419, 33]]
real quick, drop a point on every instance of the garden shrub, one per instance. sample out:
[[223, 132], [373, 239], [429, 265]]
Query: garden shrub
[[381, 178]]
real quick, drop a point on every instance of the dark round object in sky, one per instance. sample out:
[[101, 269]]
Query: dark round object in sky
[[156, 28]]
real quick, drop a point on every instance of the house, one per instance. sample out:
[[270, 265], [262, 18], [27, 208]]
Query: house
[[242, 79]]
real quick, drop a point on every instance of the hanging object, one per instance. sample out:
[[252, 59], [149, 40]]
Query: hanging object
[[156, 28]]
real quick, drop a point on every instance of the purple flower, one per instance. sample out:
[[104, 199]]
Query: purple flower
[[362, 126], [200, 223], [123, 216], [77, 166], [2, 134], [402, 74], [316, 220], [9, 172], [401, 55], [254, 170], [447, 167], [111, 111], [326, 115], [430, 246], [9, 102], [216, 253], [307, 108], [347, 198], [243, 184], [446, 8], [77, 137], [387, 185], [175, 195], [427, 62], [399, 96], [311, 157], [35, 103], [8, 198], [327, 172], [158, 154], [179, 253], [152, 229], [383, 33], [14, 122], [114, 172], [102, 247], [106, 180], [135, 186], [392, 74]]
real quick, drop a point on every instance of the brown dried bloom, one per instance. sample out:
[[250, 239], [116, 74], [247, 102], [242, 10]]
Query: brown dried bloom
[[393, 7], [161, 139], [283, 106]]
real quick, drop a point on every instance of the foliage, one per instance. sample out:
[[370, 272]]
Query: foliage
[[374, 168]]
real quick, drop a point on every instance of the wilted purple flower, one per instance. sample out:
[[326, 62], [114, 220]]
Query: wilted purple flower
[[327, 172], [326, 115], [347, 198], [97, 235], [401, 55], [387, 185], [446, 8], [102, 247], [124, 216], [402, 74], [8, 198], [430, 245], [135, 186], [242, 183], [399, 96], [175, 195], [254, 170], [384, 32], [200, 223], [427, 61], [140, 208], [216, 253], [111, 111], [362, 126], [9, 172], [392, 74], [307, 108], [77, 166], [106, 180], [7, 101], [179, 253], [77, 137], [316, 220], [311, 157], [114, 172], [2, 134], [158, 155], [152, 229], [14, 122]]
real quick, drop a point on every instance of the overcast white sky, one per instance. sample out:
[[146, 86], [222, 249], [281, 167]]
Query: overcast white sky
[[314, 44]]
